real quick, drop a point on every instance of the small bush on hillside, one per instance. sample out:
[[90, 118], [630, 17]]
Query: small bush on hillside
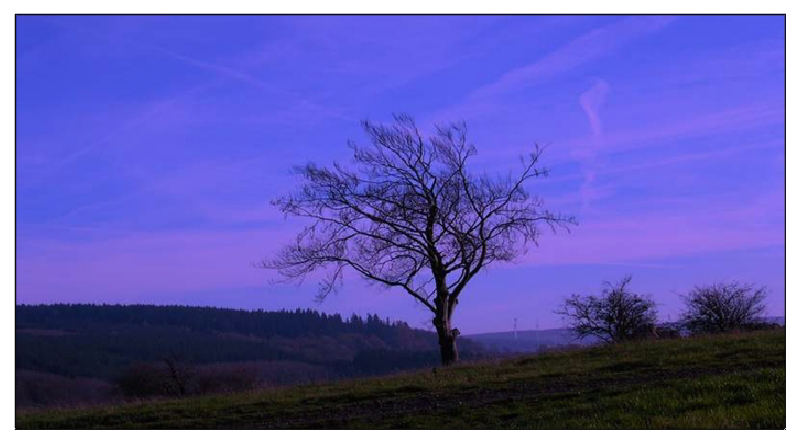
[[614, 316], [142, 380], [225, 378], [171, 378], [722, 307]]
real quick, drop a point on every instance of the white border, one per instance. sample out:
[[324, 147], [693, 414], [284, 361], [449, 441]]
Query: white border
[[408, 6], [7, 193]]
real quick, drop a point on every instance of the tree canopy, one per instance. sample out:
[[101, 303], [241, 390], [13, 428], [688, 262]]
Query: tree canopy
[[409, 213]]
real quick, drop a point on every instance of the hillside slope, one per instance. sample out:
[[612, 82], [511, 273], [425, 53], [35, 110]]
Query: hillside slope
[[727, 381], [78, 354]]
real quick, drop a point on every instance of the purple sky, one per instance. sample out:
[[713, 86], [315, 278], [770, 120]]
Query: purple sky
[[148, 148]]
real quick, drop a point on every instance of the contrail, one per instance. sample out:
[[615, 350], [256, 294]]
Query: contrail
[[591, 101]]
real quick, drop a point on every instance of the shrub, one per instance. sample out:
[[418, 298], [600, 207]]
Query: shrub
[[614, 316], [142, 380], [170, 377], [226, 377], [722, 307]]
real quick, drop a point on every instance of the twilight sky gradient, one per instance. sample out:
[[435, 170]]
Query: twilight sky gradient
[[148, 148]]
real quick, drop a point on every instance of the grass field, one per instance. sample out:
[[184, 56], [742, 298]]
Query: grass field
[[728, 381]]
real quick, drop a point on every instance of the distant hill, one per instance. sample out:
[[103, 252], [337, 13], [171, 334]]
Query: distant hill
[[540, 340], [528, 341], [82, 353]]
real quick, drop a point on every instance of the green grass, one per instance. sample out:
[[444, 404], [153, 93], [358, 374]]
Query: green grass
[[733, 381]]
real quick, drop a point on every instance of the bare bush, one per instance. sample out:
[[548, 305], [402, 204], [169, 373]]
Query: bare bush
[[35, 389], [170, 377], [614, 316], [226, 377], [142, 380], [722, 307]]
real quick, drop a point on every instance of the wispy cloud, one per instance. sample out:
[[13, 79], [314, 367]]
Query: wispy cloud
[[655, 236], [295, 105], [225, 71], [140, 117], [141, 263], [588, 47], [735, 119], [731, 120], [591, 101], [774, 144]]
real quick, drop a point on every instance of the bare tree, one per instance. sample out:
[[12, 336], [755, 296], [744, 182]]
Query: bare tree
[[179, 373], [174, 378], [616, 315], [408, 214], [723, 307]]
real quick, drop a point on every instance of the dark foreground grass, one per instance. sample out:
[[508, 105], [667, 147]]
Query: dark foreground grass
[[728, 381]]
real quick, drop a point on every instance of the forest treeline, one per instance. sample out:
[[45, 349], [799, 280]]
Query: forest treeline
[[67, 351], [260, 323]]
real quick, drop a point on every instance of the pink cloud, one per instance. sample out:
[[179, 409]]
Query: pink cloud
[[127, 266], [689, 228], [142, 263]]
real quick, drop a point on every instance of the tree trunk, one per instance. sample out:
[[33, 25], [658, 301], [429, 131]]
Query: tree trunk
[[445, 302], [447, 343]]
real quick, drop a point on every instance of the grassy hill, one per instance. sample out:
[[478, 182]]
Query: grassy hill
[[726, 381], [80, 354]]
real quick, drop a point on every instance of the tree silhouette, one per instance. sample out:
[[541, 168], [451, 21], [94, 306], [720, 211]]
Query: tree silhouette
[[408, 214], [616, 315], [721, 307]]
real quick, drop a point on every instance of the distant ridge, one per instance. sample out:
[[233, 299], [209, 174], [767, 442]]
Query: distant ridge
[[529, 341], [543, 339]]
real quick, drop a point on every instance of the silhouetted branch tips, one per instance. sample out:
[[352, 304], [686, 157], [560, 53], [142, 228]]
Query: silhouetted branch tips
[[616, 315], [722, 307], [407, 213]]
